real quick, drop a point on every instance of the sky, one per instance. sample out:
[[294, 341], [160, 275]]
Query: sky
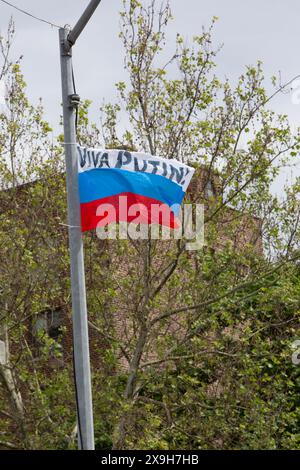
[[267, 30]]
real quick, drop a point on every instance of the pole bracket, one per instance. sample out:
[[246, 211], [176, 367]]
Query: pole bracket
[[74, 101], [66, 48]]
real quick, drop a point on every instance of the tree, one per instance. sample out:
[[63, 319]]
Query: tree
[[193, 347], [33, 251], [191, 115]]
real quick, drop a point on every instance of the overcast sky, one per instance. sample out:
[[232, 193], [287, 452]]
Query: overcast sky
[[258, 29]]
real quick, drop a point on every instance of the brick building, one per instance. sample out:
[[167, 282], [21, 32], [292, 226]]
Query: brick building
[[55, 319]]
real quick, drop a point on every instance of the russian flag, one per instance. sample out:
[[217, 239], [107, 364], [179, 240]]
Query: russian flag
[[122, 186]]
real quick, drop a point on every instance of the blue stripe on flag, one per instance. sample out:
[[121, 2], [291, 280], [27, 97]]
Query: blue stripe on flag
[[101, 183]]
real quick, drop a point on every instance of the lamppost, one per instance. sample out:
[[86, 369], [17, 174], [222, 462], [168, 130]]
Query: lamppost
[[81, 359]]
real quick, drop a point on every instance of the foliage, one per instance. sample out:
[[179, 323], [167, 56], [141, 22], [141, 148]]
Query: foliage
[[190, 350]]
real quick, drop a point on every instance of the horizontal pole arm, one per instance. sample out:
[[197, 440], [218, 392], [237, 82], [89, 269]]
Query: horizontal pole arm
[[81, 23]]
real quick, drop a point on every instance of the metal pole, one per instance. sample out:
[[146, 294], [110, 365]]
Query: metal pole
[[81, 23], [80, 324]]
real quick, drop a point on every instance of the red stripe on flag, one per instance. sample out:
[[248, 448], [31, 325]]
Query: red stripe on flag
[[148, 211]]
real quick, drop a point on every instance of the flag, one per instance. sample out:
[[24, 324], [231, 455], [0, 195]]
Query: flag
[[117, 185]]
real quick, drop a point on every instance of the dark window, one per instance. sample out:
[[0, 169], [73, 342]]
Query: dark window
[[3, 351], [209, 189], [49, 323], [54, 322]]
